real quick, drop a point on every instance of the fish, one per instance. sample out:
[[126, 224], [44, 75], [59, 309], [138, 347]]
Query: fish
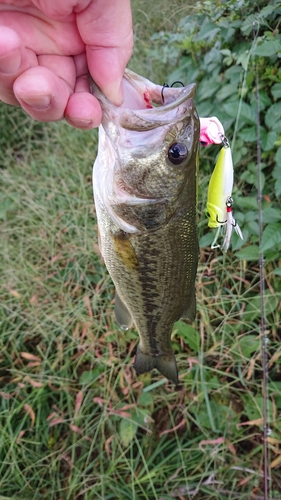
[[145, 194], [219, 198]]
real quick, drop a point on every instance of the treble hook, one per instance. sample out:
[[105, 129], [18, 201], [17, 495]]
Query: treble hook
[[165, 85]]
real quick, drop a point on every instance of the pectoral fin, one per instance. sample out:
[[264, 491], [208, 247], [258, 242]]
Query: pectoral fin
[[122, 314], [166, 365]]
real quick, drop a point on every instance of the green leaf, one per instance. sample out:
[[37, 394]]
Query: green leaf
[[253, 227], [251, 215], [249, 202], [127, 431], [267, 140], [231, 108], [248, 253], [249, 134], [139, 415], [249, 343], [188, 334], [247, 26], [243, 59], [273, 114], [226, 91], [253, 306], [225, 52], [208, 88], [90, 376], [207, 239], [267, 48], [277, 187], [208, 31], [278, 273], [248, 113], [266, 11], [270, 214], [264, 98], [155, 385], [276, 172], [253, 406], [145, 399], [271, 236], [221, 415], [248, 177], [233, 75], [212, 60], [278, 156], [276, 90]]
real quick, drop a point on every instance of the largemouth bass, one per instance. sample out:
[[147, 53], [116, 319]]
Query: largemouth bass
[[145, 193]]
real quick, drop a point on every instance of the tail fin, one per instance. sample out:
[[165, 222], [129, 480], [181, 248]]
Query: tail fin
[[166, 365]]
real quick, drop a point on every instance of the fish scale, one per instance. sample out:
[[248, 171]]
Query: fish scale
[[147, 215]]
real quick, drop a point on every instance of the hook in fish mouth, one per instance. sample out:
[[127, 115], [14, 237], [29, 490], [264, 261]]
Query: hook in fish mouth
[[166, 85], [145, 99]]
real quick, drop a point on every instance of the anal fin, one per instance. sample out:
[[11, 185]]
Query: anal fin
[[122, 314], [190, 310], [166, 365]]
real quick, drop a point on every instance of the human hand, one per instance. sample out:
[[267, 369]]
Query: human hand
[[47, 48]]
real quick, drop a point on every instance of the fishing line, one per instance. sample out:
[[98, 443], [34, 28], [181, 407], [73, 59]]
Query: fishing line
[[264, 339], [242, 92]]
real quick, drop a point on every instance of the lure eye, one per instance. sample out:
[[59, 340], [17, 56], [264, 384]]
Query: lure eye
[[177, 153]]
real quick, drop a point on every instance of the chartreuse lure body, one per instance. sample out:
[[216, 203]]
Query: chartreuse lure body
[[219, 202]]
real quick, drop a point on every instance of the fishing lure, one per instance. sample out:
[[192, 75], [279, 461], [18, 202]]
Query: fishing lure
[[219, 201], [211, 131]]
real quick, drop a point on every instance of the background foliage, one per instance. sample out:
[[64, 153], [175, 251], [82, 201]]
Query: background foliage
[[215, 48], [75, 421]]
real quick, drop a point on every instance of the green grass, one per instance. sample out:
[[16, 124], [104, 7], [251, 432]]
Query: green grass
[[75, 420]]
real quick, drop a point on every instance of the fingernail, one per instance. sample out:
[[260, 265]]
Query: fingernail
[[10, 64], [79, 123], [39, 102], [114, 94]]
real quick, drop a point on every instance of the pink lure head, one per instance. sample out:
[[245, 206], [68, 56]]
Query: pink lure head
[[211, 131]]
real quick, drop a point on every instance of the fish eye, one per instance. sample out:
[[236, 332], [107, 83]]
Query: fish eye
[[177, 153]]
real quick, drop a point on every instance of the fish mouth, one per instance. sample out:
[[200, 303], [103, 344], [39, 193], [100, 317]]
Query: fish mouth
[[157, 98], [146, 105]]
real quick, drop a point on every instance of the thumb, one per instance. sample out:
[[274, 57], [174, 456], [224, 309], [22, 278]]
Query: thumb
[[106, 28]]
